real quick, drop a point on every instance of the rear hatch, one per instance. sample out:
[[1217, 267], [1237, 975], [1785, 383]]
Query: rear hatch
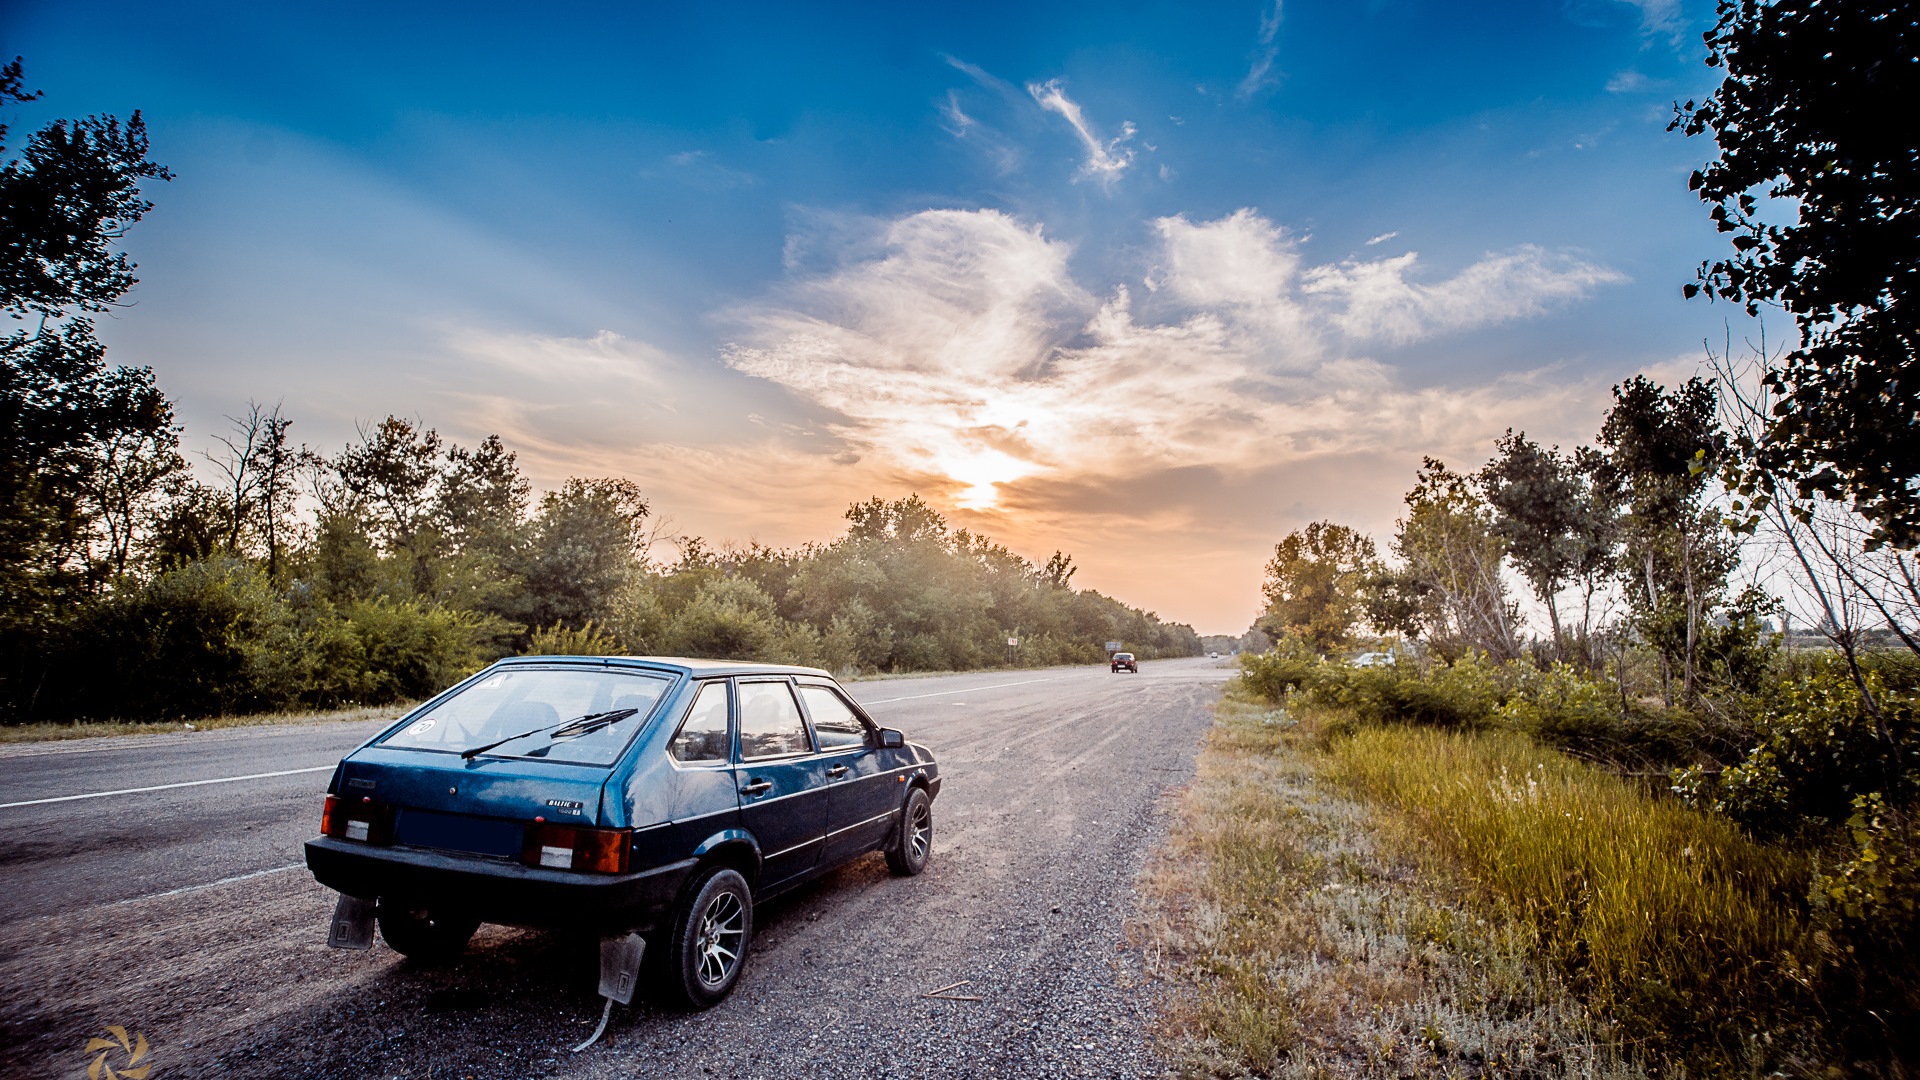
[[477, 807]]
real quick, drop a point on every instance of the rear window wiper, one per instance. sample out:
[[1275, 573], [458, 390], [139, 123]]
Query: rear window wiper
[[581, 725]]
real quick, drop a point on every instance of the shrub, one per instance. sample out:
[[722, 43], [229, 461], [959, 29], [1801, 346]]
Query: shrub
[[727, 619], [557, 640], [1869, 906], [205, 638], [1464, 694], [1819, 749], [375, 651], [1289, 666]]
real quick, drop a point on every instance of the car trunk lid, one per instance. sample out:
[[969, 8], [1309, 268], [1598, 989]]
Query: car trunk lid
[[478, 806]]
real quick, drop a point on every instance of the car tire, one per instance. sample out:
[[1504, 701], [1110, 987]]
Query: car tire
[[913, 843], [430, 935], [712, 932]]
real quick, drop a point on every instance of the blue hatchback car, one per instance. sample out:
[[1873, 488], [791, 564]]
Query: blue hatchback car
[[651, 800]]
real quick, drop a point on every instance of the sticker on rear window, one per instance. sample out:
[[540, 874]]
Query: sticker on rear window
[[422, 727]]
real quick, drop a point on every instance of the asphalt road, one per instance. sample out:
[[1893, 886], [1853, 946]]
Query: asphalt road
[[171, 900]]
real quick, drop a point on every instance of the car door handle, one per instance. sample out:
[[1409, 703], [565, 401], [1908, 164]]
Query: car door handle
[[758, 787], [836, 772]]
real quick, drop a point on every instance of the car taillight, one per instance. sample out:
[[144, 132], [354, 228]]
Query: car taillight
[[574, 847], [364, 820]]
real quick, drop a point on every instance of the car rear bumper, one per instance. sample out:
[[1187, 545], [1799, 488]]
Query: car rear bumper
[[500, 892]]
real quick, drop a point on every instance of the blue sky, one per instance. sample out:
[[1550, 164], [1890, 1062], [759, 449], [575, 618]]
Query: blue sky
[[1152, 283]]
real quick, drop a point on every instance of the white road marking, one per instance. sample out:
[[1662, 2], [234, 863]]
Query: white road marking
[[210, 884], [165, 787], [968, 690]]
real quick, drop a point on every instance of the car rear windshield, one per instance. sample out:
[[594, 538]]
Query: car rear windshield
[[519, 700]]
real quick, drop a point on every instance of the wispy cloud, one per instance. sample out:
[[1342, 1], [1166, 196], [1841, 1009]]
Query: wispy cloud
[[1626, 82], [606, 356], [958, 122], [1382, 238], [1660, 17], [1261, 73], [1105, 160], [700, 168]]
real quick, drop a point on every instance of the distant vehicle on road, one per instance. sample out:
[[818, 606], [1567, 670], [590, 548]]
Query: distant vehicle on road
[[1124, 661], [1213, 656], [652, 801]]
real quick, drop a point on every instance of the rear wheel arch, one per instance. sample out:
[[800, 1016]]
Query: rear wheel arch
[[736, 853]]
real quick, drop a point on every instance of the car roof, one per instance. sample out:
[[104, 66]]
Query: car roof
[[689, 666]]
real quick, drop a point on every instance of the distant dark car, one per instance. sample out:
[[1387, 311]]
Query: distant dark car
[[1124, 661], [651, 801]]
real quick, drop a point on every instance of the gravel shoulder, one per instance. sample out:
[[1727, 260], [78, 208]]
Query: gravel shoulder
[[1054, 795]]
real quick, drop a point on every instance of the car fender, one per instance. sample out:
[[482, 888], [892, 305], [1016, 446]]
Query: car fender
[[729, 836]]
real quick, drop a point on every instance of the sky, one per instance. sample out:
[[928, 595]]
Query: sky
[[1153, 284]]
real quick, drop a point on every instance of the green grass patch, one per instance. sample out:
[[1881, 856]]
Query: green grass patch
[[1669, 919]]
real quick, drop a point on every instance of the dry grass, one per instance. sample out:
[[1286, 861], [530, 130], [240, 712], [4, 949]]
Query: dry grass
[[1302, 936], [50, 731]]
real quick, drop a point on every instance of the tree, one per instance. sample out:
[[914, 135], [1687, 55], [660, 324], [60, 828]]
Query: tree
[[258, 464], [78, 440], [74, 190], [1453, 557], [1059, 570], [1662, 451], [1802, 126], [582, 553], [1555, 529], [1314, 584]]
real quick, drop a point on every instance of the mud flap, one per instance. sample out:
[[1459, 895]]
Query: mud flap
[[620, 966], [352, 926]]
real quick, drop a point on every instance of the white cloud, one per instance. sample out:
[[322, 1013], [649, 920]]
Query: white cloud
[[1105, 160], [1260, 74], [965, 350], [1383, 238], [1378, 302]]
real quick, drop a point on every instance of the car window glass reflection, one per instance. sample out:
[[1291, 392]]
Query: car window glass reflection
[[770, 723], [530, 702], [834, 724], [703, 737]]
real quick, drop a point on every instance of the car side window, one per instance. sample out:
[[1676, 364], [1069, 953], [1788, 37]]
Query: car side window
[[834, 724], [770, 724], [703, 734]]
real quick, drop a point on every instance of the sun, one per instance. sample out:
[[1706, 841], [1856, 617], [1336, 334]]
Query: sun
[[981, 470]]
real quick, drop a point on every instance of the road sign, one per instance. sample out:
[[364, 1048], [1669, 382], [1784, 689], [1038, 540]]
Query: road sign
[[1113, 646], [1012, 641]]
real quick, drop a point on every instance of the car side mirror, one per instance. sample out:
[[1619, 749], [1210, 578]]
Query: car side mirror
[[891, 739]]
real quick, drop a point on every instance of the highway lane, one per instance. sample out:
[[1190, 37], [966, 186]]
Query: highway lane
[[103, 847], [156, 868]]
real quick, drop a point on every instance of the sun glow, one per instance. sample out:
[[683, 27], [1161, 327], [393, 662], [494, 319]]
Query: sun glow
[[982, 471]]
